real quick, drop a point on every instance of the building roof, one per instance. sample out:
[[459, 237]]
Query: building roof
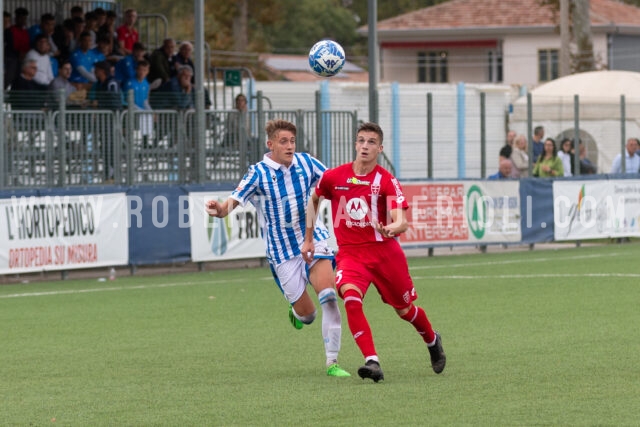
[[467, 14], [601, 85], [296, 68]]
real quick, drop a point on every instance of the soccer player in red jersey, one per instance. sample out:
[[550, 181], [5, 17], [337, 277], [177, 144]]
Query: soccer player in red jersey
[[368, 209]]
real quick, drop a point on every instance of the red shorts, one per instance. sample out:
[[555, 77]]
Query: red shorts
[[383, 264]]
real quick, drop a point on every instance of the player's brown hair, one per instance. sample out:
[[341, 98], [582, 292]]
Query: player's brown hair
[[371, 127], [274, 126]]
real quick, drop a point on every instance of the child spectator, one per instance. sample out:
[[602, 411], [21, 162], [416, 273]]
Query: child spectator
[[40, 54], [82, 62], [47, 27], [126, 67]]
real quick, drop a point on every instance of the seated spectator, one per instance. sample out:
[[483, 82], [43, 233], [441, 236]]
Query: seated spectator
[[183, 57], [26, 93], [126, 67], [548, 164], [565, 154], [78, 29], [62, 83], [16, 45], [177, 93], [586, 166], [82, 63], [40, 54], [504, 170], [161, 60], [63, 37], [631, 161], [519, 156], [47, 27], [127, 34], [109, 27]]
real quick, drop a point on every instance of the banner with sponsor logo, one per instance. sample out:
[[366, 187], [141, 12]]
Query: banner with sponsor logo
[[63, 232], [237, 236], [462, 212], [596, 209]]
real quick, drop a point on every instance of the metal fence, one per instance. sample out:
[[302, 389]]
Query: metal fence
[[68, 147]]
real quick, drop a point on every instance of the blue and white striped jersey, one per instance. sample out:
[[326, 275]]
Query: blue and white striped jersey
[[280, 195]]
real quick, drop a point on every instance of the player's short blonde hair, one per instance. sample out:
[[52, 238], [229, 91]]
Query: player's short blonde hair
[[274, 126]]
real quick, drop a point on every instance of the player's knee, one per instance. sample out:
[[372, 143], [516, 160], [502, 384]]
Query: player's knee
[[352, 300], [327, 296]]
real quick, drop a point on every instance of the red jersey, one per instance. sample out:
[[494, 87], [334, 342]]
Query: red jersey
[[360, 202], [128, 35]]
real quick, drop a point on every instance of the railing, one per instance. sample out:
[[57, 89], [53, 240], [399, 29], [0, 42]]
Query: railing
[[70, 147]]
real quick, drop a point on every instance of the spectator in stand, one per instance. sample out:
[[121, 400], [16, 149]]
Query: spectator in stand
[[520, 157], [16, 45], [127, 34], [537, 141], [102, 51], [504, 170], [108, 97], [78, 29], [40, 54], [140, 87], [505, 154], [47, 27], [126, 67], [82, 62], [91, 26], [26, 93], [63, 37], [566, 155], [62, 83], [101, 16], [586, 166], [6, 20], [183, 57], [76, 12], [548, 164], [178, 92], [511, 136], [631, 161], [109, 29], [161, 64]]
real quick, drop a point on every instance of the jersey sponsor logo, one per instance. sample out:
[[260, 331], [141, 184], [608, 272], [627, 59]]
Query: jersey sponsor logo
[[399, 194], [338, 187], [355, 181], [357, 208]]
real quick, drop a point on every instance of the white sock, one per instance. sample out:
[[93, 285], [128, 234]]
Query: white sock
[[331, 324]]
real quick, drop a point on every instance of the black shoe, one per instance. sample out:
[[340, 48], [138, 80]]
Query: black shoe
[[438, 358], [372, 370]]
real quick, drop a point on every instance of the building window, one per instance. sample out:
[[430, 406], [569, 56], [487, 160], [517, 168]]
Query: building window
[[495, 66], [433, 67], [547, 64]]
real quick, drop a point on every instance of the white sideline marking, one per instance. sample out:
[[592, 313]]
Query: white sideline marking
[[114, 288], [529, 276], [513, 261]]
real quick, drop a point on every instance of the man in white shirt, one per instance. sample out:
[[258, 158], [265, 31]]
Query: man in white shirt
[[40, 54], [631, 161]]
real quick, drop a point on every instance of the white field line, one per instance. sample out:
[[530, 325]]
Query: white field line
[[525, 276], [116, 288], [514, 261]]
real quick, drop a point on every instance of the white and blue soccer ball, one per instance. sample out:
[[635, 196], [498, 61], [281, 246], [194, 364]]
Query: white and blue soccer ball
[[326, 58]]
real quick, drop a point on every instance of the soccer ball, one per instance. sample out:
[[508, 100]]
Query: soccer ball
[[326, 58]]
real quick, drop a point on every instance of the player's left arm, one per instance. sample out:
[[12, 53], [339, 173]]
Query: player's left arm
[[397, 225]]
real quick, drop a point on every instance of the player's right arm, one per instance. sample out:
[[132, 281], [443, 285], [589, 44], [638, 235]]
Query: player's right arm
[[308, 247], [220, 210]]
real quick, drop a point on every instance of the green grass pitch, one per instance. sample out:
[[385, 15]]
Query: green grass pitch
[[544, 337]]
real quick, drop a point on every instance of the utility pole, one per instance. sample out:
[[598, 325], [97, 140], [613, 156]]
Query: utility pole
[[565, 38]]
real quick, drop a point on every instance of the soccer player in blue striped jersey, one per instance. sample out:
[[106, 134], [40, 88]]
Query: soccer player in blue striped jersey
[[279, 187]]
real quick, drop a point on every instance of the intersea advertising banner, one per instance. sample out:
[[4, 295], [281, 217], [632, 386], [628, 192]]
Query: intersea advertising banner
[[63, 232], [596, 209], [462, 212]]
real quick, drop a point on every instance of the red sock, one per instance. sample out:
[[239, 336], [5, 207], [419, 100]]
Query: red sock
[[358, 323], [418, 318]]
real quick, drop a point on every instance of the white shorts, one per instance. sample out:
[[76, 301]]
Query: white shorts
[[292, 275]]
